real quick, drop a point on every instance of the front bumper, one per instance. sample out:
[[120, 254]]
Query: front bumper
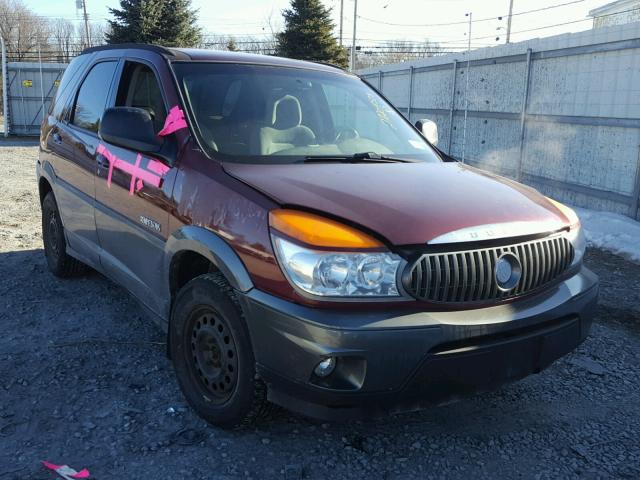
[[391, 361]]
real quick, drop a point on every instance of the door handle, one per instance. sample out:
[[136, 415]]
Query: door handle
[[57, 139]]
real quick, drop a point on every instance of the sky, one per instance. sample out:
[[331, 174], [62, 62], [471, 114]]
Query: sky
[[378, 20]]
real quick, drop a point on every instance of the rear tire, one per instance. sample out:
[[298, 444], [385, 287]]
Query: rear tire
[[55, 244], [212, 355]]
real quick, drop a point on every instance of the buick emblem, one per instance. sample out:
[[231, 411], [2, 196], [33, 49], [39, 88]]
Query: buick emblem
[[508, 271]]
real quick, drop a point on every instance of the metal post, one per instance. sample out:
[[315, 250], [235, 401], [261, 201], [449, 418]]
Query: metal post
[[523, 114], [466, 95], [410, 93], [635, 199], [509, 21], [41, 81], [453, 104], [353, 44], [5, 85], [24, 113], [86, 22]]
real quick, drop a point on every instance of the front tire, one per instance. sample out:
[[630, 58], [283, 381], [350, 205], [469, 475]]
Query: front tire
[[55, 244], [212, 354]]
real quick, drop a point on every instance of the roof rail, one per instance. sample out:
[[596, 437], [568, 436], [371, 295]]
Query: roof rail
[[139, 46], [329, 64]]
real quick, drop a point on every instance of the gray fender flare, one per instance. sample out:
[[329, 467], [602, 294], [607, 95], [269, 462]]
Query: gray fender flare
[[211, 246], [45, 170]]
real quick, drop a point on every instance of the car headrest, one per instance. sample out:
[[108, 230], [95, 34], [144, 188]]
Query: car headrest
[[286, 113]]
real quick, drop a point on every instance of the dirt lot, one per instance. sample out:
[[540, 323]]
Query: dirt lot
[[84, 380]]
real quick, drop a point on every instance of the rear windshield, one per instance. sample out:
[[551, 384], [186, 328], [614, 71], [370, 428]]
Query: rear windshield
[[264, 114]]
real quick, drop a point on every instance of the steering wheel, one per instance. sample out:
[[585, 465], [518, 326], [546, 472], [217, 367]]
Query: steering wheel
[[346, 134]]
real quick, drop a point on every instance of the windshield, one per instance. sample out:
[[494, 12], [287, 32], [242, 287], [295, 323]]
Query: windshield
[[264, 114]]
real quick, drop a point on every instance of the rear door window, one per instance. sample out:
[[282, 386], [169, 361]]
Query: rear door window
[[92, 96]]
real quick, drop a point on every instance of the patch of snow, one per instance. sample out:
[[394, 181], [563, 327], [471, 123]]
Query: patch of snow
[[611, 231]]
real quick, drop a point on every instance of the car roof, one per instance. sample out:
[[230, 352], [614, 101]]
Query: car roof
[[202, 55]]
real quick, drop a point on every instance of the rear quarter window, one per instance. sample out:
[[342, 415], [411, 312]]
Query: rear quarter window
[[66, 87]]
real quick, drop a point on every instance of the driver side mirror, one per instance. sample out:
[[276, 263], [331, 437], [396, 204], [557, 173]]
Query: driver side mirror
[[428, 129], [130, 128]]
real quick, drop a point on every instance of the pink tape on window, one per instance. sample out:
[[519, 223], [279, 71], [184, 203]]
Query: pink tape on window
[[139, 176], [65, 471], [175, 121]]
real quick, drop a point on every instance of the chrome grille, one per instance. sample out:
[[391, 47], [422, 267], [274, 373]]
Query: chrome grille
[[469, 275]]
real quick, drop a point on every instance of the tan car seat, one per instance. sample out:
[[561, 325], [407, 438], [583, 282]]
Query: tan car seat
[[286, 130]]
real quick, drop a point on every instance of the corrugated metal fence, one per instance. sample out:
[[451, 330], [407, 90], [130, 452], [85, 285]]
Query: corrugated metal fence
[[561, 113], [29, 87]]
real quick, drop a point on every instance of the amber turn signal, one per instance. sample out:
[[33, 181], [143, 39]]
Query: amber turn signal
[[319, 231]]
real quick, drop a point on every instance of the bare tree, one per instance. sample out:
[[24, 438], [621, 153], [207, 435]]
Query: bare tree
[[23, 31], [97, 35], [62, 39], [397, 51], [263, 46]]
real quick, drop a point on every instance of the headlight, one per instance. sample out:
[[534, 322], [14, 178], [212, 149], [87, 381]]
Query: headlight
[[338, 274], [577, 239], [576, 235]]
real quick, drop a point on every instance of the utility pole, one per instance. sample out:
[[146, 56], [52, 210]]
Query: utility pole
[[341, 18], [353, 45], [86, 22], [509, 21]]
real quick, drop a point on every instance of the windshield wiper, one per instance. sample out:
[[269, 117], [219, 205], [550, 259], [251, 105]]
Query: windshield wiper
[[362, 157]]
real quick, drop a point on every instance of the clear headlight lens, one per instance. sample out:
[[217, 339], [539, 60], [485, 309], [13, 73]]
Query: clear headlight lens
[[576, 234], [579, 242], [338, 274]]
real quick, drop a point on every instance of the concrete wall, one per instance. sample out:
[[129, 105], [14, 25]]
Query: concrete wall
[[560, 113]]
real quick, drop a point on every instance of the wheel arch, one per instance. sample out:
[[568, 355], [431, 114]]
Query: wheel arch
[[191, 244], [45, 180], [186, 252]]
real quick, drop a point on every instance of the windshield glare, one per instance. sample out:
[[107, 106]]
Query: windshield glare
[[264, 114]]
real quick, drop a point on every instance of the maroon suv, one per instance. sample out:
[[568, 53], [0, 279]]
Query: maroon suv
[[299, 240]]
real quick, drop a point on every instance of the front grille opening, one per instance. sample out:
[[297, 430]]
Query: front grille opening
[[470, 275]]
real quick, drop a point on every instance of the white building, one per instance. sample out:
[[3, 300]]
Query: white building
[[616, 13]]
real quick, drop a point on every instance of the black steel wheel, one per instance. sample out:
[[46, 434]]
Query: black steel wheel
[[55, 245], [215, 357], [212, 354]]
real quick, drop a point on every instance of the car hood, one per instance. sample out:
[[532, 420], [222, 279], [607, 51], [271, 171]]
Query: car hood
[[409, 203]]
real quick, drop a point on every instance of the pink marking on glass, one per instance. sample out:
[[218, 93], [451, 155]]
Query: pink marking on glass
[[175, 121]]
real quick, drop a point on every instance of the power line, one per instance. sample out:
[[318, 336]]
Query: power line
[[564, 23], [465, 22]]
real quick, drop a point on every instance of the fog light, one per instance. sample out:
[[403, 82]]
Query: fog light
[[325, 367]]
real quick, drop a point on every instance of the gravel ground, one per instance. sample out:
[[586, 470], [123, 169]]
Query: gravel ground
[[84, 381]]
